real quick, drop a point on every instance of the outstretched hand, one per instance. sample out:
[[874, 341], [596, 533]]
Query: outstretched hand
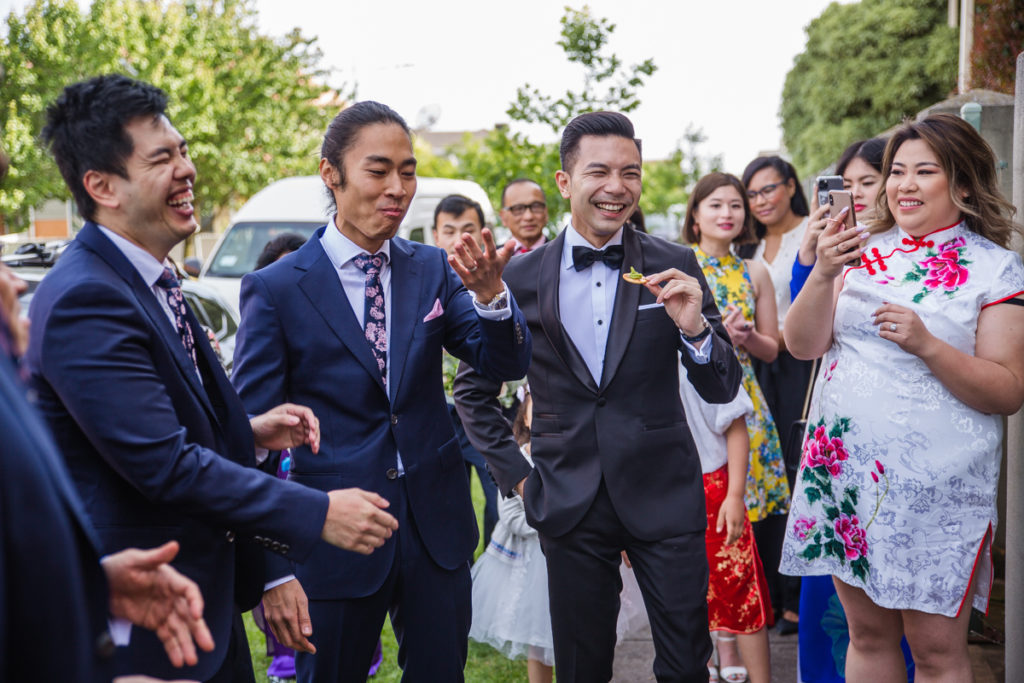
[[480, 271], [148, 592], [286, 426], [682, 296]]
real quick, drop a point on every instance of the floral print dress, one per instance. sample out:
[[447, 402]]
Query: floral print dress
[[896, 492], [767, 488]]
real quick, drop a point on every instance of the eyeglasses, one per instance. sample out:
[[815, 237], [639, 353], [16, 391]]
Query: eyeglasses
[[765, 192], [520, 209]]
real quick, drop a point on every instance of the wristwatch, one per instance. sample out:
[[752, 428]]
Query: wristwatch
[[496, 304], [700, 335]]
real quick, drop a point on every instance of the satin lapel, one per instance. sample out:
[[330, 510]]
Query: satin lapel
[[550, 318], [98, 242], [627, 298], [321, 286], [405, 302]]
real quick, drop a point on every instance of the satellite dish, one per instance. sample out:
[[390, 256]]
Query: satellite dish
[[428, 116]]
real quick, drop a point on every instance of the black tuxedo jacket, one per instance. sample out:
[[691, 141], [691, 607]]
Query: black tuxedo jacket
[[631, 429]]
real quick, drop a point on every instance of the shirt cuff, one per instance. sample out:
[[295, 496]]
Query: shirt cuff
[[261, 455], [277, 582], [503, 313], [120, 631], [700, 355]]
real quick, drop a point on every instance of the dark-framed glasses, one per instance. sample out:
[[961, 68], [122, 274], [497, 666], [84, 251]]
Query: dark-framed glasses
[[765, 192], [520, 209]]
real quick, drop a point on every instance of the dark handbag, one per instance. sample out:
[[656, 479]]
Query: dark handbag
[[795, 437]]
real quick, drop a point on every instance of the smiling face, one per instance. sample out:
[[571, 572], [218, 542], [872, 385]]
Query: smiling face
[[380, 181], [528, 226], [917, 190], [449, 229], [603, 186], [152, 206], [719, 218], [864, 183], [771, 207]]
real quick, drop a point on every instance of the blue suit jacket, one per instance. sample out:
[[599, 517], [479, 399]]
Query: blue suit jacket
[[300, 341], [53, 593], [155, 454]]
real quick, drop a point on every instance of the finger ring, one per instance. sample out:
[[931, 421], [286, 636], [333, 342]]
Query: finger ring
[[472, 270], [836, 248], [892, 327]]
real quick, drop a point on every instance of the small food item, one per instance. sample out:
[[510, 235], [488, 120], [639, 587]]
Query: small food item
[[634, 276]]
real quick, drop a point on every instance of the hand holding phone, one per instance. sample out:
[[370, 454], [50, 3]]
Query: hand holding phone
[[837, 201]]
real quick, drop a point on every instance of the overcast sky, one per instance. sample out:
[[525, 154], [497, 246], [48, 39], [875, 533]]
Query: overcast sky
[[721, 63]]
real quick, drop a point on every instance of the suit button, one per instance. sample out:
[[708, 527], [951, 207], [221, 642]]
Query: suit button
[[391, 474], [394, 419], [720, 366], [105, 645], [230, 535], [601, 401]]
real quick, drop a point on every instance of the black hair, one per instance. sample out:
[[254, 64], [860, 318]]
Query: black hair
[[344, 128], [278, 247], [869, 151], [85, 128], [519, 181], [599, 123], [797, 203], [456, 205]]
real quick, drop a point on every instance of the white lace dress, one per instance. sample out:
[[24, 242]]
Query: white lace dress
[[896, 492]]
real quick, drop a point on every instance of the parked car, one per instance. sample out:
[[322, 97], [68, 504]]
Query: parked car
[[300, 205], [216, 315]]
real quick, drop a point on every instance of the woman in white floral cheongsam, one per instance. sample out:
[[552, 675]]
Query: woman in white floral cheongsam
[[896, 494]]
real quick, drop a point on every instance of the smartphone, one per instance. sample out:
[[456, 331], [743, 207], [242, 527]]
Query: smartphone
[[837, 201], [825, 184]]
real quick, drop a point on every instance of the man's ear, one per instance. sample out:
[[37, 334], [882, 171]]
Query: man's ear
[[100, 187], [562, 178], [329, 174]]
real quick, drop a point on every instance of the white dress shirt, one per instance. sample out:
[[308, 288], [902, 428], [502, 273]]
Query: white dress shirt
[[586, 299], [781, 268]]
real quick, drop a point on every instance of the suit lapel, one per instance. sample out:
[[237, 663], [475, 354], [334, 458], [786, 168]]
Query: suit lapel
[[321, 286], [548, 278], [627, 299], [98, 242], [406, 294]]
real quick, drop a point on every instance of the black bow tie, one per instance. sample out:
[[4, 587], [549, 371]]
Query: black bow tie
[[584, 257]]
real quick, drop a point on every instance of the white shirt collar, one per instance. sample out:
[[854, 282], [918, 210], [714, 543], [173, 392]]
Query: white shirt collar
[[145, 263], [574, 239], [341, 249]]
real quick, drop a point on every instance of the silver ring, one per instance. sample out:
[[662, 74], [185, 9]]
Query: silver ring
[[892, 327], [473, 269], [837, 250]]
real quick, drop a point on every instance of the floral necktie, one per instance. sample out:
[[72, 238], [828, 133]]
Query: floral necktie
[[374, 321], [169, 282]]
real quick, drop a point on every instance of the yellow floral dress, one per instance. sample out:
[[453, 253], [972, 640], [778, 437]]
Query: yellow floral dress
[[767, 488]]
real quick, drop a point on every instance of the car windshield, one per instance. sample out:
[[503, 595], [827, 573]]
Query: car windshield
[[245, 241]]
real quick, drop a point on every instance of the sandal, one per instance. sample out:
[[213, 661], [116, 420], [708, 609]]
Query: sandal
[[730, 674], [712, 674]]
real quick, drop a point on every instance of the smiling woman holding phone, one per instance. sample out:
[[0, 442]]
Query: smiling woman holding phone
[[924, 350]]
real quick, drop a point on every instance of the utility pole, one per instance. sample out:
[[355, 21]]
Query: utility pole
[[966, 44]]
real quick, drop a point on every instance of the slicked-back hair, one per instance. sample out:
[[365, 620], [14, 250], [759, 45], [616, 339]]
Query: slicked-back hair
[[85, 129], [798, 202], [599, 123], [970, 167], [519, 181], [278, 247], [704, 187], [456, 205], [869, 151], [344, 128]]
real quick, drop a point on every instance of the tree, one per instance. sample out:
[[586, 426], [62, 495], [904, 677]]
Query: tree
[[667, 183], [246, 103], [998, 38], [865, 67]]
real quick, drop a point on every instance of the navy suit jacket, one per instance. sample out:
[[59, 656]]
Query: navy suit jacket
[[53, 593], [300, 341], [155, 454]]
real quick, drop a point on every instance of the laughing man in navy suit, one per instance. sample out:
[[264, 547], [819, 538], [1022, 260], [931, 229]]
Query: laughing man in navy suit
[[352, 325]]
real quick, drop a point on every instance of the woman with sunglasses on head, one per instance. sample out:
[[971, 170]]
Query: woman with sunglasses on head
[[779, 208], [924, 351]]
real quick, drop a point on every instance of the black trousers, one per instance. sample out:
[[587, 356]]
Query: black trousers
[[584, 586], [237, 666]]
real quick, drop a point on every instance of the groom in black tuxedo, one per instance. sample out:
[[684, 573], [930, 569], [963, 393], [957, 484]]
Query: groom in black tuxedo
[[616, 466]]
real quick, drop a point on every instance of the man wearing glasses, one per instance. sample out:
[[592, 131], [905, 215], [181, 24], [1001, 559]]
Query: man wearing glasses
[[524, 211]]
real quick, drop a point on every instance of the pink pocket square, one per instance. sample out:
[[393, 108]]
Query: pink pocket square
[[435, 312]]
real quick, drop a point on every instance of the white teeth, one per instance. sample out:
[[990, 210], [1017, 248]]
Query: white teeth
[[911, 202], [185, 200], [610, 207]]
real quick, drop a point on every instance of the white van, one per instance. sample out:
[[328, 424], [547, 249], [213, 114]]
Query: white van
[[300, 205]]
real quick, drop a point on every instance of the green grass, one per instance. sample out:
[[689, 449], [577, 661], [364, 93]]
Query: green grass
[[484, 664]]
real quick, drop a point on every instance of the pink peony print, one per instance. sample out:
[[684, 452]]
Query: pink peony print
[[945, 270], [847, 528], [803, 527], [825, 451]]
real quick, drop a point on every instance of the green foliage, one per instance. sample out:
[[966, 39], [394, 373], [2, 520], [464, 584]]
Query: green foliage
[[668, 182], [866, 66], [998, 38], [245, 102]]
